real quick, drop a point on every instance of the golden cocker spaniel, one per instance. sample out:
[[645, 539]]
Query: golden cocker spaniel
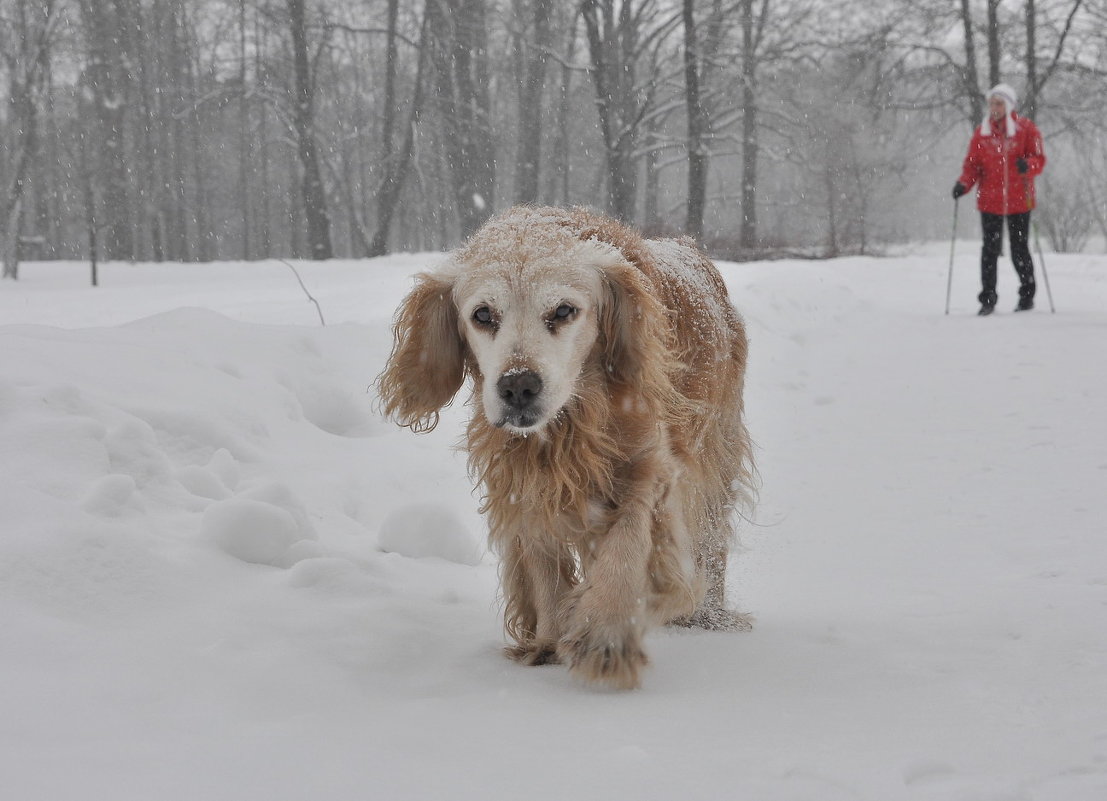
[[607, 435]]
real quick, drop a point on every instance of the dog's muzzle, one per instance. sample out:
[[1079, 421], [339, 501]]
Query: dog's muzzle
[[519, 392]]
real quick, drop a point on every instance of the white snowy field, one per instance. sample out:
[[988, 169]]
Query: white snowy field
[[223, 576]]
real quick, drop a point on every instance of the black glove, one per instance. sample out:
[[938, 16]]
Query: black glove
[[959, 189], [1021, 166]]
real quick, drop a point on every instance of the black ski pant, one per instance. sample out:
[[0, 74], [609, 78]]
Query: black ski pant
[[1018, 229]]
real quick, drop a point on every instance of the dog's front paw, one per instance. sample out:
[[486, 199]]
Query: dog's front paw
[[610, 655], [533, 652]]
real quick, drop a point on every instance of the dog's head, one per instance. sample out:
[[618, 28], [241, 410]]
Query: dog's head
[[530, 309]]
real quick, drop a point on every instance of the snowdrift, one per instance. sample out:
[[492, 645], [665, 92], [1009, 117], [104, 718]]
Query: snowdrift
[[223, 575]]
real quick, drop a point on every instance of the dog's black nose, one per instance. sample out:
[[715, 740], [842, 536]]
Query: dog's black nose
[[519, 388]]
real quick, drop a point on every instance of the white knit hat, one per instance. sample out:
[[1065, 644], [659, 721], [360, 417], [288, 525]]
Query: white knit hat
[[1008, 96]]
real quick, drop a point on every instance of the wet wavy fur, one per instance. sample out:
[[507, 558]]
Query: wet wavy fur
[[618, 515]]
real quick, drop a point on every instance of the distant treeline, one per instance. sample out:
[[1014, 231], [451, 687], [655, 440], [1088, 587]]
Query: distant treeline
[[244, 129]]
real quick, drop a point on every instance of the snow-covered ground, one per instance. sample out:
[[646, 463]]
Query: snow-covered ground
[[223, 576]]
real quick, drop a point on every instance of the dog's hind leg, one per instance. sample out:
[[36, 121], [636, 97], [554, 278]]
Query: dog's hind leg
[[712, 553], [713, 612]]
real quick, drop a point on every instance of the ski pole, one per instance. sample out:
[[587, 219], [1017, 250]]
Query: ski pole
[[952, 243], [1041, 259]]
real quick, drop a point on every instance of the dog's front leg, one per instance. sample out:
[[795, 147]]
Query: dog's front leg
[[538, 572], [607, 615]]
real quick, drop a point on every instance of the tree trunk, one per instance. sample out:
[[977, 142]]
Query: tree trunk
[[833, 248], [613, 48], [1029, 106], [528, 152], [88, 192], [303, 117], [265, 244], [104, 79], [651, 191], [557, 189], [750, 141], [970, 79], [13, 218], [151, 145], [994, 52], [243, 133], [295, 209], [389, 190], [460, 58], [697, 126], [168, 196], [50, 218], [28, 66], [180, 242], [205, 236], [398, 164]]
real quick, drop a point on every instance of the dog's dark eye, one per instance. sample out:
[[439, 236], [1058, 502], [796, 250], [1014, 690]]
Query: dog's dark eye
[[483, 315], [562, 314]]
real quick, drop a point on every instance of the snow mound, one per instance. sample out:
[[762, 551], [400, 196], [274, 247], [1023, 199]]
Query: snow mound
[[421, 530], [253, 531], [109, 495]]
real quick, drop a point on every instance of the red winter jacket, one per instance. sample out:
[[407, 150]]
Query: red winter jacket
[[992, 161]]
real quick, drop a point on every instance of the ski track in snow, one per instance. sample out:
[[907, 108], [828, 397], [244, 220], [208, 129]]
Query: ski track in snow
[[224, 576]]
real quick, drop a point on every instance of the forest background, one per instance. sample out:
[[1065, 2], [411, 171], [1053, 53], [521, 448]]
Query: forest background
[[199, 130]]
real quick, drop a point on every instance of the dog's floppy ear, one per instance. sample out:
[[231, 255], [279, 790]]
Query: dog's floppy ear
[[634, 328], [427, 365]]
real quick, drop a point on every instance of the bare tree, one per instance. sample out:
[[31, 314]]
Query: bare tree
[[770, 34], [622, 36], [397, 163], [263, 173], [192, 132], [160, 66], [27, 39], [697, 124], [303, 116], [1036, 78], [970, 81], [105, 79], [995, 49], [458, 38], [558, 178], [753, 27], [243, 130], [534, 51]]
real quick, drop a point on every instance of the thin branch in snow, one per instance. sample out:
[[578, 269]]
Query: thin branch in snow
[[309, 295]]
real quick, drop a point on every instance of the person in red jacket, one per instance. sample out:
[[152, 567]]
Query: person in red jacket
[[1005, 154]]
